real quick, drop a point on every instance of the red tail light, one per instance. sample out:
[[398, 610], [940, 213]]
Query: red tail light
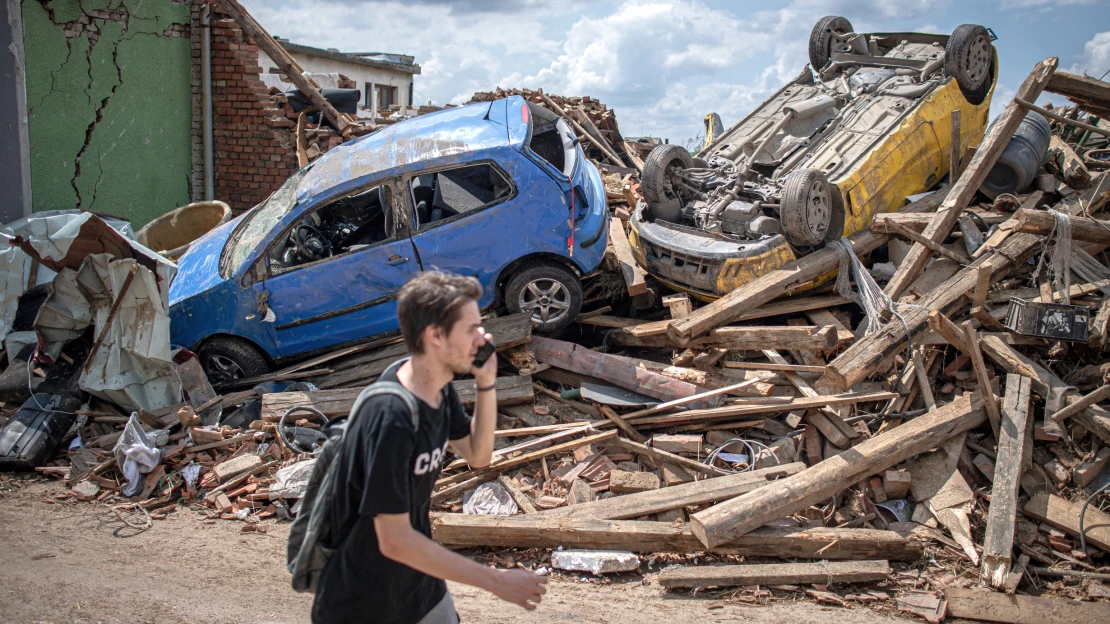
[[524, 113]]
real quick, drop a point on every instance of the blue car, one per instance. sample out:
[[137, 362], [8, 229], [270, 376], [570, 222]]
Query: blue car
[[498, 190]]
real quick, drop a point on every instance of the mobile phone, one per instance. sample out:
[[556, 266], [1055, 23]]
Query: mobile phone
[[483, 354]]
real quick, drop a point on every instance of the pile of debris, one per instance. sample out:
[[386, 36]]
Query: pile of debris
[[938, 434], [593, 122]]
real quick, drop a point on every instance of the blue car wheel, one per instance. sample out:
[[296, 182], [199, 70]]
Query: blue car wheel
[[552, 293]]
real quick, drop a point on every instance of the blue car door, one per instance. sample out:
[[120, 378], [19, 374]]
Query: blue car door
[[473, 219], [350, 292]]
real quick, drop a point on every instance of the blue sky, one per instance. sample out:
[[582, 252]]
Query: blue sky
[[663, 64]]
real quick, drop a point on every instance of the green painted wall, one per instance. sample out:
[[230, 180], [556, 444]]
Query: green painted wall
[[109, 99]]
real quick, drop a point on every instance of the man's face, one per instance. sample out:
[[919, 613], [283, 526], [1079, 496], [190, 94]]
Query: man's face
[[458, 346]]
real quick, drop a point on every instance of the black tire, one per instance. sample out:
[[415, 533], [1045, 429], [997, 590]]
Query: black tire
[[561, 287], [820, 40], [226, 359], [662, 200], [969, 58], [811, 209]]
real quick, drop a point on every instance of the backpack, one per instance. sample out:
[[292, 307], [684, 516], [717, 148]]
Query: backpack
[[306, 555]]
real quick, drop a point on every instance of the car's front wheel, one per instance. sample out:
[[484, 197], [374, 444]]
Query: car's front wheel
[[227, 359], [551, 292]]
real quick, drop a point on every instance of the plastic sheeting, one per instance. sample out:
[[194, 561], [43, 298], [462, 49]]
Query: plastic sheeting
[[137, 454], [291, 481]]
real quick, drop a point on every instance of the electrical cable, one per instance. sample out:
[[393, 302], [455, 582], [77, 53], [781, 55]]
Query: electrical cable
[[1083, 512]]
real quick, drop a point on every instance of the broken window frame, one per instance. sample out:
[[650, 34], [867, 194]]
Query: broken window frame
[[414, 219], [400, 229]]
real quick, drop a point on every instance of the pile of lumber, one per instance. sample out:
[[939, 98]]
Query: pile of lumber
[[593, 122]]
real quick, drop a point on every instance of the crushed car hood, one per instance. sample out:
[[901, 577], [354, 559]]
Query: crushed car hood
[[199, 269]]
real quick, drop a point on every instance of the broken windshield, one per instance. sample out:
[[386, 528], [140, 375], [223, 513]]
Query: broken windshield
[[259, 222]]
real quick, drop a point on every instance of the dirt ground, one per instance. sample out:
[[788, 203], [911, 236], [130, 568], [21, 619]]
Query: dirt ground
[[61, 563]]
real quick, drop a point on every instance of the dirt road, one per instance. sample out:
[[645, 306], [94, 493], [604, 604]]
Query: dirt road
[[60, 563]]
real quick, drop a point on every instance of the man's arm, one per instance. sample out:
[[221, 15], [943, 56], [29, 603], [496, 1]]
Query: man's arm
[[477, 448], [401, 543]]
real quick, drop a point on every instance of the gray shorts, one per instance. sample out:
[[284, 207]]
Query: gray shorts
[[442, 613]]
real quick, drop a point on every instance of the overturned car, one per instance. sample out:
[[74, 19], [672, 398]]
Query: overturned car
[[866, 125]]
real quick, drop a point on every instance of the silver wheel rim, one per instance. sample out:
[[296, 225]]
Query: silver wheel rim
[[548, 299], [978, 59], [220, 368], [818, 208]]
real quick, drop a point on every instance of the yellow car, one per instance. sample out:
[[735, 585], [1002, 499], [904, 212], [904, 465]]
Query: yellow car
[[869, 126]]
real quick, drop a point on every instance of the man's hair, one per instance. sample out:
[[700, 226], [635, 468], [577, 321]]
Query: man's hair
[[433, 298]]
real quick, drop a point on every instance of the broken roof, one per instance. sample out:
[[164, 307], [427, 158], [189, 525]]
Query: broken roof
[[381, 60]]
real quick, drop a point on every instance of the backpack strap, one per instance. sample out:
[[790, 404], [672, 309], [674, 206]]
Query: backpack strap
[[392, 388]]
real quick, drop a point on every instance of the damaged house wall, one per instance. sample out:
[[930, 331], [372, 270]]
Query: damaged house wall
[[109, 105], [253, 149], [15, 178]]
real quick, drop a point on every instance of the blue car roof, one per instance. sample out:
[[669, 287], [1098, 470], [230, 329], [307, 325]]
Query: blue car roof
[[429, 140]]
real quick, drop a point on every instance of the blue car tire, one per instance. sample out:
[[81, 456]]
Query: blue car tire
[[552, 292]]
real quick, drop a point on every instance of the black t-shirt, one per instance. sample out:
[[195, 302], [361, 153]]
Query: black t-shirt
[[385, 467]]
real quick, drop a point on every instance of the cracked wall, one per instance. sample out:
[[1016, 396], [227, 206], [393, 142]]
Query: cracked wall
[[109, 105]]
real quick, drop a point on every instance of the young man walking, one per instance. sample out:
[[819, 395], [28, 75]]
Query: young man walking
[[386, 569]]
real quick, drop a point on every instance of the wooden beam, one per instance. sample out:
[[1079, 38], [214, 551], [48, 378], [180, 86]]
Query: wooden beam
[[579, 359], [534, 531], [1064, 515], [676, 496], [621, 424], [1091, 94], [518, 495], [825, 573], [829, 421], [662, 407], [661, 456], [732, 411], [870, 353], [1094, 418], [746, 338], [630, 270], [726, 521], [920, 239], [526, 458], [998, 545], [286, 64], [955, 148], [771, 366], [977, 363], [1066, 165], [991, 607], [1082, 228], [1078, 405], [1060, 118], [964, 188]]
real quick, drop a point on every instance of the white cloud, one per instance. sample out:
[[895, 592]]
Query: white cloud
[[1026, 4], [1095, 60]]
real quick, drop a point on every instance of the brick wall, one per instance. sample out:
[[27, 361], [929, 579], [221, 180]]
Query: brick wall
[[252, 143]]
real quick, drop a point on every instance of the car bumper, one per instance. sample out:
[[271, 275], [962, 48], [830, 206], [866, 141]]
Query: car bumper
[[700, 264]]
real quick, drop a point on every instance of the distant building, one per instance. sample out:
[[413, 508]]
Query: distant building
[[384, 79], [644, 145]]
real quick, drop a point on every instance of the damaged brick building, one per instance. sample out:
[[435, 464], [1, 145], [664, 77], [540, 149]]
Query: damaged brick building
[[106, 106]]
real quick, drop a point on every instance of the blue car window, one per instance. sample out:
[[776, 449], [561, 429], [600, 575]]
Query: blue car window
[[356, 221], [452, 192]]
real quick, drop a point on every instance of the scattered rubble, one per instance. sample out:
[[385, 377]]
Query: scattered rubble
[[935, 445]]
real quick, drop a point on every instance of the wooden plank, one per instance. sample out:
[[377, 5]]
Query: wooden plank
[[665, 457], [1090, 93], [824, 572], [771, 366], [578, 359], [825, 317], [621, 424], [513, 390], [1064, 515], [998, 545], [725, 521], [955, 147], [965, 187], [1078, 405], [980, 367], [526, 458], [991, 607], [935, 247], [631, 272], [746, 338], [535, 531], [829, 421], [794, 305], [676, 496], [1066, 165], [518, 495], [732, 411]]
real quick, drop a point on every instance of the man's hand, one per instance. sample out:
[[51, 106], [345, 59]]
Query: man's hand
[[520, 587], [487, 374]]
